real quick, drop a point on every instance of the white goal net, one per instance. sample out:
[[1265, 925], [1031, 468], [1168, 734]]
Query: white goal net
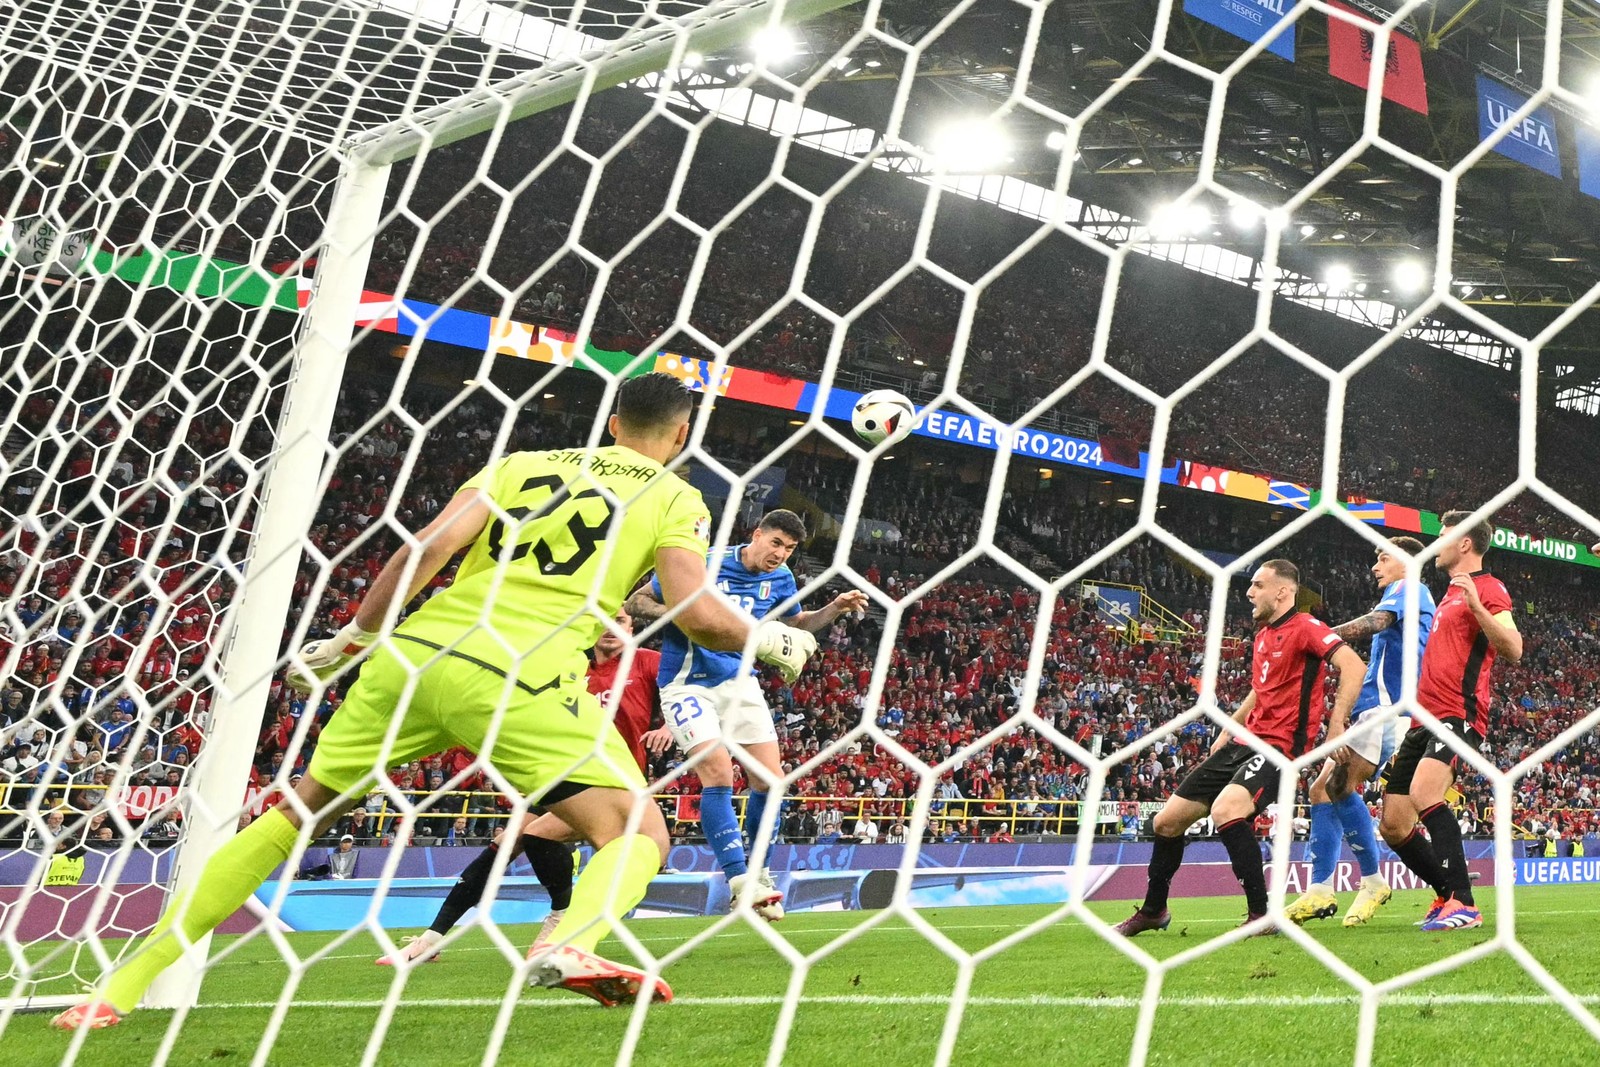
[[1171, 299]]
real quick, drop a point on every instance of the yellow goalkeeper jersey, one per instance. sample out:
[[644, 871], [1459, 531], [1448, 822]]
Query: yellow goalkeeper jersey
[[569, 523]]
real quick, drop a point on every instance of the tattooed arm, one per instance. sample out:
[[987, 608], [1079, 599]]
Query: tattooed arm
[[1371, 623]]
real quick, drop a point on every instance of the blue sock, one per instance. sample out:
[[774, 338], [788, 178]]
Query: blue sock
[[721, 828], [755, 806], [1357, 823], [1324, 848]]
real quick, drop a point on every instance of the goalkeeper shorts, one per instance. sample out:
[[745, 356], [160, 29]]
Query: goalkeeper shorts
[[545, 734]]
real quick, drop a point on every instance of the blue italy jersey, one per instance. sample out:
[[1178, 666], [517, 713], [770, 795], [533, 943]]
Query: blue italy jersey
[[686, 663], [1381, 687]]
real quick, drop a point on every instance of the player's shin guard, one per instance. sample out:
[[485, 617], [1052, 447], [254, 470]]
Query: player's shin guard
[[721, 828], [1165, 860], [1416, 853], [466, 894], [552, 865], [1245, 855], [236, 870], [1449, 851], [612, 885], [1358, 832], [1324, 845]]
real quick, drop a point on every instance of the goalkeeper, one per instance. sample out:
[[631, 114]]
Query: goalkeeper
[[546, 549]]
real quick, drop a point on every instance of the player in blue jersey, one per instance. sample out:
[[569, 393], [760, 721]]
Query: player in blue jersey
[[708, 697], [1338, 810]]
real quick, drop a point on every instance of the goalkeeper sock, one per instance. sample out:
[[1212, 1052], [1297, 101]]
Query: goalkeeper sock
[[231, 875], [466, 894], [1445, 833], [721, 828], [1245, 855], [552, 865], [617, 875], [1358, 832], [1165, 860], [1324, 845]]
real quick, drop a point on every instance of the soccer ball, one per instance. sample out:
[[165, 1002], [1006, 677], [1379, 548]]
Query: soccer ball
[[883, 415]]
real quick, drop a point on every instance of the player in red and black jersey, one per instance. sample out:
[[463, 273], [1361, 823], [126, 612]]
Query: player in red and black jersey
[[1285, 709], [1472, 628], [545, 839]]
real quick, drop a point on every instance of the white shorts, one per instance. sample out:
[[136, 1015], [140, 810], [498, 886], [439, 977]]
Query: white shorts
[[1376, 743], [736, 710]]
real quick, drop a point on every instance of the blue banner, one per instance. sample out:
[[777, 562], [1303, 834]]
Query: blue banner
[[766, 487], [1589, 161], [1117, 607], [1531, 140], [1249, 19], [1565, 870]]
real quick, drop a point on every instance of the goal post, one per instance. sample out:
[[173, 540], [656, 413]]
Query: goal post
[[287, 512]]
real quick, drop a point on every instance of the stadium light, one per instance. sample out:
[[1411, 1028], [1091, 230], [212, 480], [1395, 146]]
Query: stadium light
[[1410, 275], [1338, 279], [971, 145], [693, 59], [1055, 140], [1178, 220], [1307, 230], [773, 43], [1245, 214], [1135, 161]]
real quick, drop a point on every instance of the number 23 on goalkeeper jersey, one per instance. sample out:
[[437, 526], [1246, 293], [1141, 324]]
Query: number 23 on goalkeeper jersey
[[562, 537]]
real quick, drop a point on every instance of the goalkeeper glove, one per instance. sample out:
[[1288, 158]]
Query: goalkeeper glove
[[321, 660], [784, 647]]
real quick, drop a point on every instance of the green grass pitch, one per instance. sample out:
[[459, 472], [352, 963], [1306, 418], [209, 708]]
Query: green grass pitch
[[1060, 997]]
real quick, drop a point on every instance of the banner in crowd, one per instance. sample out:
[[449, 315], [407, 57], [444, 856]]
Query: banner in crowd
[[1350, 55], [138, 802], [1248, 19], [36, 241], [1588, 160], [1531, 140]]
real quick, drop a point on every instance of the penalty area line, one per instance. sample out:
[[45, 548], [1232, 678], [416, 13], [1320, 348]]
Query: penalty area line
[[1401, 1000]]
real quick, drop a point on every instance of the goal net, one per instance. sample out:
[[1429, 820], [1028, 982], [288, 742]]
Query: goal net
[[1170, 298]]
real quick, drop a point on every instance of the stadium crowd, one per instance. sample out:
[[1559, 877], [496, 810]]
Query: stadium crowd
[[149, 584], [1033, 325]]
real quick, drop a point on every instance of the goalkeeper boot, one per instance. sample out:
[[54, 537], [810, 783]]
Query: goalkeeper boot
[[420, 949], [1139, 922], [95, 1015], [602, 980], [768, 899], [1375, 893], [1433, 912], [1314, 903], [546, 930]]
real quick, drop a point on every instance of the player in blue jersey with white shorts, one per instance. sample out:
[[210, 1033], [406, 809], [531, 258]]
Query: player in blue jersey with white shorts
[[708, 697], [1338, 811]]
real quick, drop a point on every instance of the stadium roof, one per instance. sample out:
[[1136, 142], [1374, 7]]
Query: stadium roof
[[1525, 243]]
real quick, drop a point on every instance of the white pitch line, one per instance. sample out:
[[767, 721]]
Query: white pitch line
[[794, 932], [1399, 1000]]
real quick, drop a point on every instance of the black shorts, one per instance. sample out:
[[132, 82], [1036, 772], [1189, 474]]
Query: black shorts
[[1419, 744], [1234, 765]]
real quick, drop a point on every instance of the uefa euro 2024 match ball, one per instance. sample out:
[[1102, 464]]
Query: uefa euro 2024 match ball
[[883, 415]]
